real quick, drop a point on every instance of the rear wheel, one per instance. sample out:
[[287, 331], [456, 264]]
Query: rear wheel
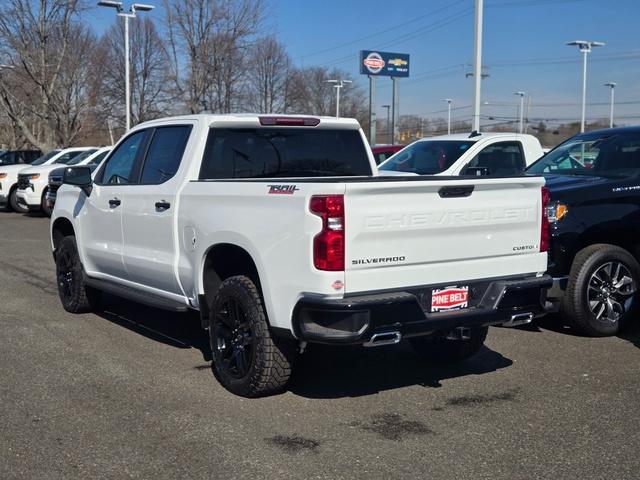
[[440, 349], [13, 201], [247, 360], [75, 295], [602, 289]]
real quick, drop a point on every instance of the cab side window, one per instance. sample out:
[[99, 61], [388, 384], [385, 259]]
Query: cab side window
[[500, 159], [165, 153], [119, 167]]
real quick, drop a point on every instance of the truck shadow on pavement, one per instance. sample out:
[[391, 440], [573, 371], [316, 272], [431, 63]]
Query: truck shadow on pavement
[[323, 371], [180, 330], [336, 372], [554, 323]]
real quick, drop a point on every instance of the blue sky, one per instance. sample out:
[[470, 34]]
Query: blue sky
[[524, 49]]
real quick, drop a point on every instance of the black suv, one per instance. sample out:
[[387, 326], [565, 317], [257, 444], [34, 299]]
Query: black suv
[[594, 181], [14, 157]]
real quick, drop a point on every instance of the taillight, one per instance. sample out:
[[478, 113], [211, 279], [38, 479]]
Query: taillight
[[328, 245], [545, 231]]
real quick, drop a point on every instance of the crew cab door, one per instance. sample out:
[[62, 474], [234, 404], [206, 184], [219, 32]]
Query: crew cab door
[[102, 224], [149, 214]]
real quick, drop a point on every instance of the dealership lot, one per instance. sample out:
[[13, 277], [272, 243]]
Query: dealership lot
[[130, 393]]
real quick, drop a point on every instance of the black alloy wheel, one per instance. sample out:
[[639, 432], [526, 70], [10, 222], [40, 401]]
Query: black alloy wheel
[[234, 340], [610, 291]]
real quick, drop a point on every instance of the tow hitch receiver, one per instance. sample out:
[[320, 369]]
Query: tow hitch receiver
[[459, 333]]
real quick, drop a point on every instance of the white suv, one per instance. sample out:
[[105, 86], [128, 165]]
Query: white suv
[[32, 181]]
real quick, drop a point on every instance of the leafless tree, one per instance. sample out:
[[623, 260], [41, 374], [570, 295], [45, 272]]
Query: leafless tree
[[209, 40], [268, 76], [309, 92], [151, 86], [48, 52]]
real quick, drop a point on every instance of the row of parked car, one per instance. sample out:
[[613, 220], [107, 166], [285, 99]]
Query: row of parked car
[[29, 180], [283, 231]]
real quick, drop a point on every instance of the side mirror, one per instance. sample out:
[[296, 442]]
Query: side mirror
[[477, 171], [79, 177]]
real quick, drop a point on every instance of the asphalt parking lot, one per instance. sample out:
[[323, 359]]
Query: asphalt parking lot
[[129, 393]]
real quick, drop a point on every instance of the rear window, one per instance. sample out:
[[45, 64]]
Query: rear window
[[284, 152], [427, 157]]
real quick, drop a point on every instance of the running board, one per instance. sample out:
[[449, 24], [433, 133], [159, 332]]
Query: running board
[[138, 296]]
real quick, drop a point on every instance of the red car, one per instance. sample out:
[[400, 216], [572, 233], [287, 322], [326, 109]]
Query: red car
[[382, 152]]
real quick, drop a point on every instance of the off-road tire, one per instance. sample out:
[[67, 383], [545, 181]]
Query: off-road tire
[[575, 304], [13, 202], [438, 349], [270, 364], [75, 295]]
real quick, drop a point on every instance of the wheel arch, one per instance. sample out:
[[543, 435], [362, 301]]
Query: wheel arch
[[62, 227], [222, 261], [618, 236]]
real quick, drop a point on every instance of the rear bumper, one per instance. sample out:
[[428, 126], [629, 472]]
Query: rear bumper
[[355, 320]]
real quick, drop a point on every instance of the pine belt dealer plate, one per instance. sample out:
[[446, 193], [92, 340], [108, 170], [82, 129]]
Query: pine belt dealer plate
[[449, 298]]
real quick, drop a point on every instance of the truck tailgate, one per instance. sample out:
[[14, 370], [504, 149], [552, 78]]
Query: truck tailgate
[[433, 232]]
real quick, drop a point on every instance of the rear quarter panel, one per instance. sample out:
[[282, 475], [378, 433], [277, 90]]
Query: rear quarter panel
[[277, 231]]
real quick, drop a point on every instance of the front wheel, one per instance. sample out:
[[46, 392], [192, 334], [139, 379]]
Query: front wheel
[[13, 201], [247, 360], [602, 289], [75, 295], [440, 349]]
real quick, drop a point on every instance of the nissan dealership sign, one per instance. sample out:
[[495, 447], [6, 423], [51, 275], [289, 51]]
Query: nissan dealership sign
[[384, 63]]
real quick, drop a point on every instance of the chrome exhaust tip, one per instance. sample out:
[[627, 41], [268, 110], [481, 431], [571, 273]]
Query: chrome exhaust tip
[[519, 319], [386, 338]]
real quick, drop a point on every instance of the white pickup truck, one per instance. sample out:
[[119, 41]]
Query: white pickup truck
[[496, 154], [279, 231]]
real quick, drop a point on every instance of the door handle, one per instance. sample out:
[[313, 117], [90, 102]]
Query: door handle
[[453, 192], [162, 206], [114, 202]]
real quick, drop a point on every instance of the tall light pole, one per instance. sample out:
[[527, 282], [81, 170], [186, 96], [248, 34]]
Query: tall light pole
[[477, 66], [388, 107], [521, 95], [131, 13], [448, 100], [612, 86], [585, 47], [338, 85]]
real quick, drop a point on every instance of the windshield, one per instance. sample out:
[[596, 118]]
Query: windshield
[[46, 157], [78, 158], [602, 154], [68, 156], [427, 157]]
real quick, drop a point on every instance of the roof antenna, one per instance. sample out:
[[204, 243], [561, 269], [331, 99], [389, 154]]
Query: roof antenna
[[475, 133]]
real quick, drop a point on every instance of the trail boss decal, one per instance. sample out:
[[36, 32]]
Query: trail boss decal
[[282, 189], [449, 298]]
